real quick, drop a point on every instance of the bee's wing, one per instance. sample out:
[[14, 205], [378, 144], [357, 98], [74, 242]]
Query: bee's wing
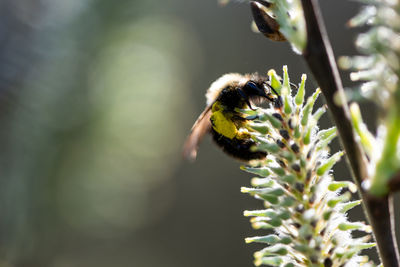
[[199, 129]]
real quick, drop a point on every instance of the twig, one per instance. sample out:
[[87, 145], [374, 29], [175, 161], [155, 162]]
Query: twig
[[394, 183], [381, 214]]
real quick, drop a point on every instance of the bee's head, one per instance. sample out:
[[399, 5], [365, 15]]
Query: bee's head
[[259, 90], [253, 88]]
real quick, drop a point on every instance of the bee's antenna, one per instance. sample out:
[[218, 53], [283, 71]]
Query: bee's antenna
[[293, 85], [270, 87], [278, 101]]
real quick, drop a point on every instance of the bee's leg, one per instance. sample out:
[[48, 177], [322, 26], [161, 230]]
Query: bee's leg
[[270, 98], [252, 118], [248, 118], [278, 102], [238, 118]]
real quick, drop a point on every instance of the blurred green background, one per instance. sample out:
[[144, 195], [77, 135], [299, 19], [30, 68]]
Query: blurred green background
[[96, 99]]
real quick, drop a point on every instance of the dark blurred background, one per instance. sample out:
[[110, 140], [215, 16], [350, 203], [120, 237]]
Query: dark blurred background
[[96, 99]]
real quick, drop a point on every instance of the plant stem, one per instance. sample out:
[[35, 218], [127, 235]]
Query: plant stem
[[319, 56], [381, 214]]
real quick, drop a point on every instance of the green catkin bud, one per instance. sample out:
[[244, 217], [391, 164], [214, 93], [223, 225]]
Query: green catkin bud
[[328, 133], [275, 250], [329, 163], [344, 207], [274, 81], [269, 198], [334, 201], [278, 171], [263, 191], [274, 121], [263, 182], [272, 261], [269, 239], [286, 91], [297, 132], [360, 226], [365, 15], [317, 115], [259, 213], [287, 155], [288, 202], [333, 186], [267, 147], [262, 129], [307, 137], [309, 106], [262, 171], [327, 214], [248, 112], [306, 113], [326, 138], [287, 107], [367, 140], [299, 98], [299, 195]]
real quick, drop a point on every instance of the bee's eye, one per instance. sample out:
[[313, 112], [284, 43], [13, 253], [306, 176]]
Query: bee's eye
[[252, 85], [252, 89]]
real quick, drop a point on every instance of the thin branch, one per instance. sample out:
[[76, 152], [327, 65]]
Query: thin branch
[[381, 214], [394, 183]]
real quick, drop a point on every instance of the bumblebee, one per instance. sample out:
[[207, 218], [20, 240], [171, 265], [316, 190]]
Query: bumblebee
[[223, 119]]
